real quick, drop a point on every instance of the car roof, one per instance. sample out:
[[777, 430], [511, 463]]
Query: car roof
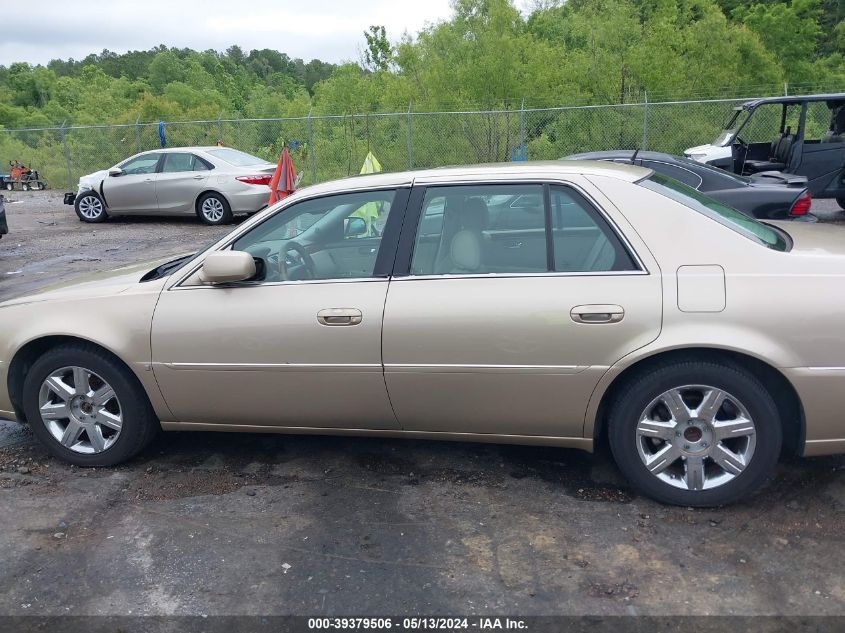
[[193, 148], [522, 170], [753, 103]]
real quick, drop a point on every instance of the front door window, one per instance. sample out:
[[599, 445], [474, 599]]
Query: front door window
[[334, 237]]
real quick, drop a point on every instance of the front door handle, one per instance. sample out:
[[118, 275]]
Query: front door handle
[[597, 313], [339, 316]]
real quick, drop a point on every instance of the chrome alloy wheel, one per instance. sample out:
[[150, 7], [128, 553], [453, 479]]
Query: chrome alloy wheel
[[696, 437], [91, 207], [80, 409], [212, 209]]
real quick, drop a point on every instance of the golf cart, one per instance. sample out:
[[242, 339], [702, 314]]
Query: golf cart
[[22, 177], [803, 135]]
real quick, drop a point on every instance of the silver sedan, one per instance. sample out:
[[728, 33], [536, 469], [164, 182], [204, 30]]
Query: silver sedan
[[215, 183]]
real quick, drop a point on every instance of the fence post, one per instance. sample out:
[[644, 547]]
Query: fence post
[[220, 125], [785, 89], [410, 138], [138, 133], [311, 156], [522, 148], [66, 152], [645, 121]]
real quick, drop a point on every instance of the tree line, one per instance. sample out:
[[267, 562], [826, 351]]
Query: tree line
[[487, 55]]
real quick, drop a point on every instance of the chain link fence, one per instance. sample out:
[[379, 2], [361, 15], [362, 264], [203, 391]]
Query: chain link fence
[[326, 147]]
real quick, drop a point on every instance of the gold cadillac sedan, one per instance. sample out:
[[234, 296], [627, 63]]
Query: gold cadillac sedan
[[565, 304]]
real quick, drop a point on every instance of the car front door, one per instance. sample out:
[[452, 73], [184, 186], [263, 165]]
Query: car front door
[[479, 342], [300, 344], [133, 190], [181, 180]]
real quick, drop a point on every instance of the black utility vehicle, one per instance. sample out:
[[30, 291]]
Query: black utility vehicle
[[802, 135]]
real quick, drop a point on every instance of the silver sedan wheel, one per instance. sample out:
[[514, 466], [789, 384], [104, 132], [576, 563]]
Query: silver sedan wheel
[[696, 437], [80, 409], [212, 209], [91, 207]]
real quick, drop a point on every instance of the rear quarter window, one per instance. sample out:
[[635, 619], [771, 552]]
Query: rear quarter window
[[727, 216]]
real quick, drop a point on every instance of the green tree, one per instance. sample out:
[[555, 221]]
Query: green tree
[[378, 52]]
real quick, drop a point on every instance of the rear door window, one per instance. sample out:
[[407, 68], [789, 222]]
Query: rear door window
[[506, 229]]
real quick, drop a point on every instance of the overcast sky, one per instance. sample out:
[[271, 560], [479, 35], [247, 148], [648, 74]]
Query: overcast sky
[[330, 30]]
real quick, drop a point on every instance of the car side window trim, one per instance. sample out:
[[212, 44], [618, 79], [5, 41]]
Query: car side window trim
[[550, 233], [414, 211]]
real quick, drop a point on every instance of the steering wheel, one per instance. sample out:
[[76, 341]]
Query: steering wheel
[[303, 256]]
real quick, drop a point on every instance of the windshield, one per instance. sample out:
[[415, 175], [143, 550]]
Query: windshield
[[725, 215], [236, 157], [726, 135]]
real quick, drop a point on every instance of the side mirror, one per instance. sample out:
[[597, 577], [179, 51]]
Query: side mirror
[[354, 227], [227, 266], [115, 171]]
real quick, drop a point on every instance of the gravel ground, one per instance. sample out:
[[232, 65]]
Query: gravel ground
[[208, 524]]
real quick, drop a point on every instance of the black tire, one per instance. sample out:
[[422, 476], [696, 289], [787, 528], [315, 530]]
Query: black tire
[[90, 207], [25, 186], [215, 217], [139, 424], [9, 186], [841, 203], [636, 395]]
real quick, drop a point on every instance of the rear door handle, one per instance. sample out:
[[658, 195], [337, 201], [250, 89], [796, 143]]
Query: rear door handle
[[199, 177], [597, 313], [339, 316]]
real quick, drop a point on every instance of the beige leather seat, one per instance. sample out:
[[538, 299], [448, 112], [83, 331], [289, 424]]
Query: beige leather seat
[[466, 249]]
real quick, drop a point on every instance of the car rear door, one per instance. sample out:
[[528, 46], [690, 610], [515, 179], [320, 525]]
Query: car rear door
[[182, 178], [133, 191], [499, 349]]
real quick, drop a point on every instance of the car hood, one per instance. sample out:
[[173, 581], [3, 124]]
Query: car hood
[[814, 239], [93, 285], [92, 181]]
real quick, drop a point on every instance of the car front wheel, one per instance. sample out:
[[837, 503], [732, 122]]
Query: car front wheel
[[89, 207], [86, 407], [695, 433]]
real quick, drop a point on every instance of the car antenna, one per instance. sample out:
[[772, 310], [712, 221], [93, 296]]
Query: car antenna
[[634, 155]]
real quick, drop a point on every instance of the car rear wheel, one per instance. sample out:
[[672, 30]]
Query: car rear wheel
[[86, 407], [89, 207], [841, 203], [695, 433], [214, 209]]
